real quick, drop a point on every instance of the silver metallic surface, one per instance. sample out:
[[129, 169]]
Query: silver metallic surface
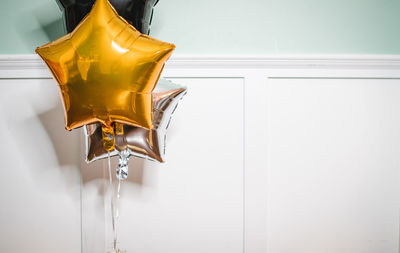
[[140, 142]]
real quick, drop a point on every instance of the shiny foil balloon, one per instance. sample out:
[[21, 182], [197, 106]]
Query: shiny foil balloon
[[138, 13], [106, 71], [140, 142]]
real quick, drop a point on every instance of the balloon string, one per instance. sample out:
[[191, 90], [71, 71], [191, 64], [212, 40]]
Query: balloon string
[[112, 200], [116, 214]]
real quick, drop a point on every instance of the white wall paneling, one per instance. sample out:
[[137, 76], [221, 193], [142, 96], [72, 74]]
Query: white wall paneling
[[40, 180], [265, 154]]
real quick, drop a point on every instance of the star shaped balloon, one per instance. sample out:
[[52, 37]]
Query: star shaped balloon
[[106, 70], [137, 141]]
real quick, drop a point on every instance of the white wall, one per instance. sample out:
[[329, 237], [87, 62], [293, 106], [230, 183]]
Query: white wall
[[40, 181], [333, 165], [264, 155]]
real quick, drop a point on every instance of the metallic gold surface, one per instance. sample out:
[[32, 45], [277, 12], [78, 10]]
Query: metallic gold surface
[[140, 142], [106, 70]]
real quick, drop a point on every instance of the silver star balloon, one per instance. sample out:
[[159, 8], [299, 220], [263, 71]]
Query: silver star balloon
[[137, 141]]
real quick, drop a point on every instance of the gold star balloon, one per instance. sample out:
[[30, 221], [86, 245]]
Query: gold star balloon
[[106, 71]]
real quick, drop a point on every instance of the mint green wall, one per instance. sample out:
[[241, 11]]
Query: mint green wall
[[233, 26]]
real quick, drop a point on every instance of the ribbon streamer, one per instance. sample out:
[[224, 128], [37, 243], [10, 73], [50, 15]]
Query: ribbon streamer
[[114, 199]]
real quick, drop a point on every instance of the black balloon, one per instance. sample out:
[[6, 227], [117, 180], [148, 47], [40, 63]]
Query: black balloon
[[138, 13]]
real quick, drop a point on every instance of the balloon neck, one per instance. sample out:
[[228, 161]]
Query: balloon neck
[[108, 137]]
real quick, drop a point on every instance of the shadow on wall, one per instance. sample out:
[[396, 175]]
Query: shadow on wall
[[33, 115], [35, 133], [69, 148], [62, 140], [45, 24]]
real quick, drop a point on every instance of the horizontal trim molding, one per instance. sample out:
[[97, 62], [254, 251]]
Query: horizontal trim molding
[[31, 66]]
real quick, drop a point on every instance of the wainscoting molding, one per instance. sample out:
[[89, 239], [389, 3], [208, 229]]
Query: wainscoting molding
[[385, 66]]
